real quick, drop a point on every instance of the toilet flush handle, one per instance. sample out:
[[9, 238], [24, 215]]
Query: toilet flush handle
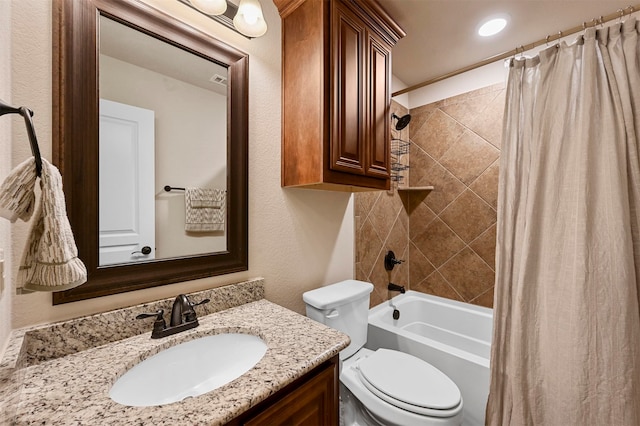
[[333, 314]]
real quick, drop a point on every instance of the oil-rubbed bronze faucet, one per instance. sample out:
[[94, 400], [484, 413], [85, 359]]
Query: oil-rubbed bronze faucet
[[396, 287], [183, 317]]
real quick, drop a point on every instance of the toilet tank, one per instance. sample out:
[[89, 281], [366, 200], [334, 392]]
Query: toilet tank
[[343, 306]]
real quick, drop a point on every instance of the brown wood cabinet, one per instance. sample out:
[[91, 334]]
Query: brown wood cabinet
[[311, 400], [336, 79]]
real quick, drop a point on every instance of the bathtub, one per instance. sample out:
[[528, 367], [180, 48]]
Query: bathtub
[[454, 337]]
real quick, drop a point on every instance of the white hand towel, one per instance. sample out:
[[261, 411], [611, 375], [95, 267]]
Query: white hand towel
[[204, 209], [50, 261]]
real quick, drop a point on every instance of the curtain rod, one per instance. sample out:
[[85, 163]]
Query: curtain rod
[[523, 48]]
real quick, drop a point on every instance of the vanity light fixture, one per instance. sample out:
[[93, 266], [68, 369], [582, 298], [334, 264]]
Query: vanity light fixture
[[246, 18], [493, 25], [249, 20], [210, 7]]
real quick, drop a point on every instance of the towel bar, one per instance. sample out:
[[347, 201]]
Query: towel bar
[[170, 188], [26, 113]]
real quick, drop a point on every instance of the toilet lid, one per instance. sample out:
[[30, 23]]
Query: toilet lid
[[408, 382]]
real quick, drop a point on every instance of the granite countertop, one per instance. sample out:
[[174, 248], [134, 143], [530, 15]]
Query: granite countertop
[[73, 388]]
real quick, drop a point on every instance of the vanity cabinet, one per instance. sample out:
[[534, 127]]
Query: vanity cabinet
[[336, 79], [310, 400]]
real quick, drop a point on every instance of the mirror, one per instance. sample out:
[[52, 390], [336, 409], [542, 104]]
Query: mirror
[[196, 137], [163, 122]]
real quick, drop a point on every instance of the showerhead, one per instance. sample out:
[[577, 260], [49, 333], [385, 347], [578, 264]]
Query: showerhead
[[402, 121]]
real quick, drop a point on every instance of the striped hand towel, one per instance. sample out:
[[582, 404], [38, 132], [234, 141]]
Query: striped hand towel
[[204, 209], [50, 261]]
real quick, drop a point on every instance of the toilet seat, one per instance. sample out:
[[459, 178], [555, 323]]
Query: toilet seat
[[409, 383]]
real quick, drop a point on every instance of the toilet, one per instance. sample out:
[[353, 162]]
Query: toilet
[[382, 387]]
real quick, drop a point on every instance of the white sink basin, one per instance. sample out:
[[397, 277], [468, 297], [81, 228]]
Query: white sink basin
[[188, 369]]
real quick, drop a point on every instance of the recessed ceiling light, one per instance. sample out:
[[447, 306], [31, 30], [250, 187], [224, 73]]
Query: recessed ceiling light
[[492, 26]]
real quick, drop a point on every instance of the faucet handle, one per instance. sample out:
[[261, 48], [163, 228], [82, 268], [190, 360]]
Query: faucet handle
[[190, 315], [202, 302], [159, 324], [159, 314], [390, 261]]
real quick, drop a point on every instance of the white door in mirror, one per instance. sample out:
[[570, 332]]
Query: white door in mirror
[[127, 183], [189, 369]]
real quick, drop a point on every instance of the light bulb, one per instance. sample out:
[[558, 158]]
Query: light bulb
[[493, 26], [210, 7], [249, 19]]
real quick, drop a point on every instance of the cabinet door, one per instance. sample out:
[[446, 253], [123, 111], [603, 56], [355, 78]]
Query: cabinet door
[[313, 403], [348, 85], [378, 133]]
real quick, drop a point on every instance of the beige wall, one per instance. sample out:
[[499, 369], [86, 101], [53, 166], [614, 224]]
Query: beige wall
[[299, 239], [5, 167]]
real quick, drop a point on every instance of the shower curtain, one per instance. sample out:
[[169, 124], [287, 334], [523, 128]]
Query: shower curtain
[[566, 342]]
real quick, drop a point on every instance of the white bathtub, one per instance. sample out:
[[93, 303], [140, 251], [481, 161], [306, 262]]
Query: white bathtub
[[454, 337]]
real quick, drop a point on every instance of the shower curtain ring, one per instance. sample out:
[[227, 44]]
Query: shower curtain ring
[[546, 40], [621, 12]]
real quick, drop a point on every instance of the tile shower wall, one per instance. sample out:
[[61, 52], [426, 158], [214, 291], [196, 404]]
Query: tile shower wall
[[446, 236], [382, 224], [456, 148]]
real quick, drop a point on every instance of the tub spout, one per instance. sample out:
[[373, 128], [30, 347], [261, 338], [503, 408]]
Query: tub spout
[[396, 287]]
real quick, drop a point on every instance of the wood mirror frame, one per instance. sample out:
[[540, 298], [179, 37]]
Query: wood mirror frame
[[75, 142]]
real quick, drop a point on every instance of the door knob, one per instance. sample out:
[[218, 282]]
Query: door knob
[[145, 250]]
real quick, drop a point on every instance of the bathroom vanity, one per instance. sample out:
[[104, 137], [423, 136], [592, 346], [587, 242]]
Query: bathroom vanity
[[62, 373]]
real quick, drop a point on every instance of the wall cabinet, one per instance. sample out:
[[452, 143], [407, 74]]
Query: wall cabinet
[[311, 400], [336, 80]]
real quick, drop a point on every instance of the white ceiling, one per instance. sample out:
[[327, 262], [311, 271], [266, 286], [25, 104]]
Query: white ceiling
[[132, 46], [442, 34]]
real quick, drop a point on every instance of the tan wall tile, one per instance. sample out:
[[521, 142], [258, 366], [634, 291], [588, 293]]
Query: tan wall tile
[[368, 246], [469, 216], [435, 284], [438, 242], [469, 156], [486, 186], [489, 124], [419, 267], [397, 238], [485, 246], [384, 213], [468, 274], [437, 134], [420, 163], [485, 299], [421, 217], [364, 201], [467, 108], [446, 188]]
